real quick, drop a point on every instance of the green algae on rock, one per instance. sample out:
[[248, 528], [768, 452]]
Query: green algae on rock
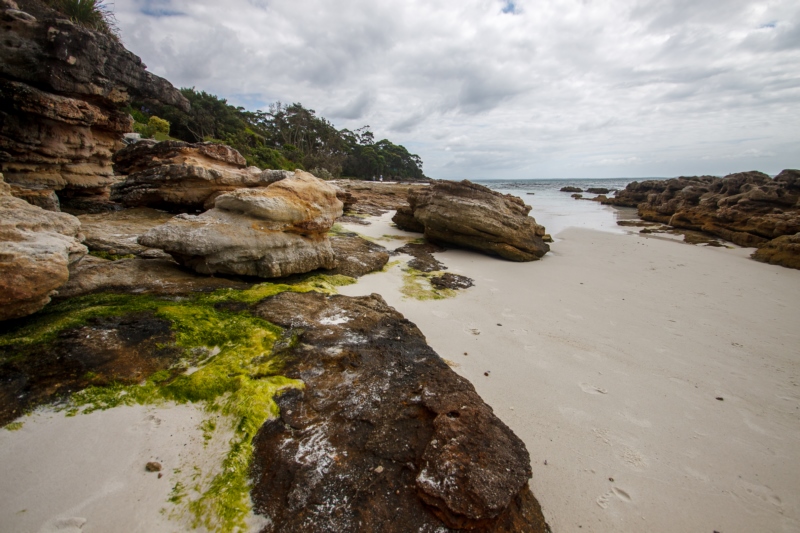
[[417, 285], [221, 356]]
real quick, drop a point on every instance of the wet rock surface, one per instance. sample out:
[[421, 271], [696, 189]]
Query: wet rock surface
[[266, 232], [384, 437], [571, 188], [424, 261], [448, 280], [63, 92], [36, 248], [116, 349], [356, 257], [473, 216], [179, 176]]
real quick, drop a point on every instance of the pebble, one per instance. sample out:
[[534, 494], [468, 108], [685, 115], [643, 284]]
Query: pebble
[[153, 466], [379, 469]]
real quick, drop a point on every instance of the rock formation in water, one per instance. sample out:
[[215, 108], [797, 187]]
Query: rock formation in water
[[474, 216], [63, 93], [181, 176], [266, 232], [36, 248], [384, 436]]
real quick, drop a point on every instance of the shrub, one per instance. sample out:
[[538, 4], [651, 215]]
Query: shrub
[[91, 14]]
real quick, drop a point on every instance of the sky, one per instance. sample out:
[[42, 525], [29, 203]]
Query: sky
[[501, 89]]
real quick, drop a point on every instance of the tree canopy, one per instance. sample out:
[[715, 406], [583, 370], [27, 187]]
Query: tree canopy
[[286, 136]]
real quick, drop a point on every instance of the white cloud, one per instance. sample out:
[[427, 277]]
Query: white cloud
[[495, 88]]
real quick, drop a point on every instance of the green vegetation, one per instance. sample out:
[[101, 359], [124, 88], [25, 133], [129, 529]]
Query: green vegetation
[[92, 14], [229, 366], [285, 137], [417, 286], [13, 426], [110, 256]]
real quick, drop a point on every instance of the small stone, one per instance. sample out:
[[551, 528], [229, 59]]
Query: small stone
[[545, 462], [611, 479], [486, 373], [379, 469], [160, 475], [153, 466], [720, 398]]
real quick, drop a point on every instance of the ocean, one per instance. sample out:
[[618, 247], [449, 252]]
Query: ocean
[[557, 210]]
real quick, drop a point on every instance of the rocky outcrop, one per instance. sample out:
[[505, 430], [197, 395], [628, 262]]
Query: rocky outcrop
[[356, 257], [181, 176], [137, 276], [63, 93], [783, 251], [571, 188], [597, 190], [384, 436], [36, 249], [266, 232], [473, 216], [373, 197], [747, 208], [115, 233]]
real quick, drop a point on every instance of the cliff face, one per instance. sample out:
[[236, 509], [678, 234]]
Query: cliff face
[[63, 90]]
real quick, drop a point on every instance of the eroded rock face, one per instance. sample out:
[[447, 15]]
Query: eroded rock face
[[474, 216], [385, 436], [63, 90], [375, 197], [267, 232], [356, 257], [36, 249], [116, 232], [783, 251], [181, 176], [747, 208]]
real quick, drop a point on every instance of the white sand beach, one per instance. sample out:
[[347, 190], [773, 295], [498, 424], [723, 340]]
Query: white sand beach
[[608, 357]]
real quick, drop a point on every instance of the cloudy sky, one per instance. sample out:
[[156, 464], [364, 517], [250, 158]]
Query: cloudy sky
[[502, 89]]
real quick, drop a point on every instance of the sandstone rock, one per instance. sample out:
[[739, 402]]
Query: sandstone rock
[[783, 251], [36, 249], [596, 190], [63, 90], [570, 188], [177, 175], [138, 276], [747, 208], [268, 232], [380, 410], [116, 232], [356, 256], [473, 216], [375, 198]]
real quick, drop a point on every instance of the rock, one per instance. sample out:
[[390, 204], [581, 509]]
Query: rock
[[596, 190], [474, 216], [424, 261], [576, 196], [181, 176], [404, 219], [570, 188], [356, 256], [36, 249], [116, 232], [451, 281], [138, 276], [120, 349], [375, 198], [63, 91], [267, 232], [783, 251], [153, 466], [380, 409]]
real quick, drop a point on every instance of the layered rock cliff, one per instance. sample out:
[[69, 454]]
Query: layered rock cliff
[[63, 94]]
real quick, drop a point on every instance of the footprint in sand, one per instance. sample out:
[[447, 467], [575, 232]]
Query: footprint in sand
[[591, 389], [72, 524], [474, 331], [606, 498]]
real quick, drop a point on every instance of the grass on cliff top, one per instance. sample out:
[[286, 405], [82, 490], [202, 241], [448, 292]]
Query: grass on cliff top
[[229, 366]]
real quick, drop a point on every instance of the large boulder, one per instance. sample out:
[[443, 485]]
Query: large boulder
[[473, 216], [783, 251], [746, 208], [63, 94], [181, 176], [384, 436], [266, 232], [36, 248]]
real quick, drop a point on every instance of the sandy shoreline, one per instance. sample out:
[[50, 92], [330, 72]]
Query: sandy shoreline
[[607, 358], [610, 357]]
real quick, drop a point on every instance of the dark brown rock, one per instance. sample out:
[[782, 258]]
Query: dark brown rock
[[597, 190], [384, 437], [424, 261], [356, 256], [449, 280], [153, 466], [473, 216], [783, 251], [570, 188]]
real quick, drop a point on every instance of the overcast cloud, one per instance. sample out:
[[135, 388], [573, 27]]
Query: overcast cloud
[[500, 89]]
